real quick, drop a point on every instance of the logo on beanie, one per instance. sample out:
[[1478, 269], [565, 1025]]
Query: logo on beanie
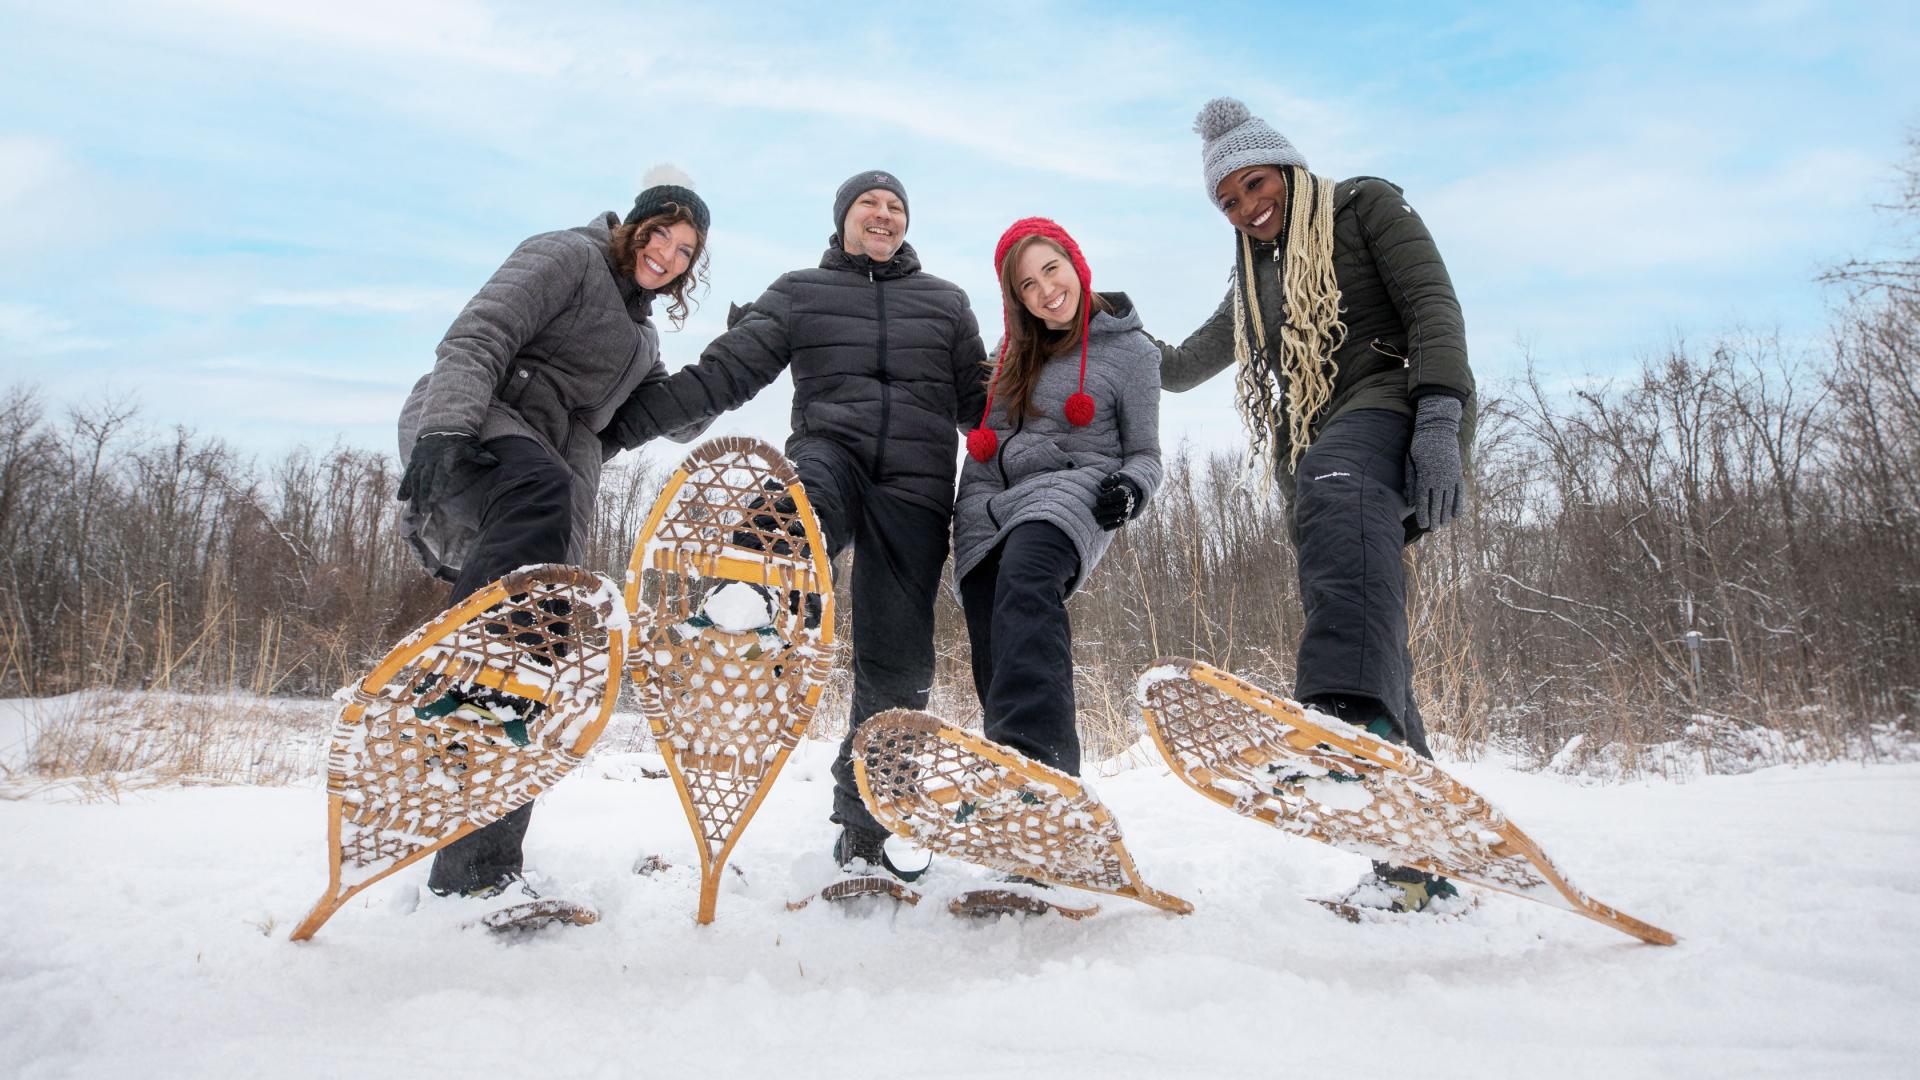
[[883, 178]]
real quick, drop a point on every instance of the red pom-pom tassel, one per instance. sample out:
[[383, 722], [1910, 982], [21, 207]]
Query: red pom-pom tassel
[[981, 443], [1080, 409]]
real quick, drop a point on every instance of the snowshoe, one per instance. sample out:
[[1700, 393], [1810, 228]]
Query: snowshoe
[[726, 674], [961, 795], [1263, 756], [465, 720]]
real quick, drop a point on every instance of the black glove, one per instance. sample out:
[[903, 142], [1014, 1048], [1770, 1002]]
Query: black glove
[[443, 462], [780, 503], [631, 426], [1118, 501]]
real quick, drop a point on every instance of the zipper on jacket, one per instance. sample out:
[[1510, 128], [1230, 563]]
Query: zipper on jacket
[[886, 385], [1000, 462], [1385, 349], [1000, 459]]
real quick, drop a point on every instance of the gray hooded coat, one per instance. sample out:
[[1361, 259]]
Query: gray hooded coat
[[1046, 469], [547, 350]]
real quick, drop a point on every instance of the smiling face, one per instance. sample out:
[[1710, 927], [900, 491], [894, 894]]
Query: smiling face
[[876, 225], [665, 253], [1255, 200], [1046, 285]]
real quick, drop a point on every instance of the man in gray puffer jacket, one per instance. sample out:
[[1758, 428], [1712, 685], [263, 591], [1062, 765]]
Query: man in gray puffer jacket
[[503, 440], [886, 363]]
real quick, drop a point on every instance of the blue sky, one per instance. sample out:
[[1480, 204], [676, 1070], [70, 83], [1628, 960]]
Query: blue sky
[[257, 219]]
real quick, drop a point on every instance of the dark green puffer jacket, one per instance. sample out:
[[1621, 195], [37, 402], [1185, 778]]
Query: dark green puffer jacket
[[1405, 335]]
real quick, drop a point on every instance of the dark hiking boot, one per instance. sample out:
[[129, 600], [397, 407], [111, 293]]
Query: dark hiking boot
[[1403, 890], [485, 890], [1362, 712], [862, 853]]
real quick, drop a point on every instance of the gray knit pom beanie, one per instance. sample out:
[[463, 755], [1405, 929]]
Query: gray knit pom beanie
[[1234, 139]]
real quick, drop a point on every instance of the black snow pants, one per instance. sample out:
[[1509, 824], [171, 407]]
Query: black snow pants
[[900, 545], [1350, 525], [1016, 606], [526, 516]]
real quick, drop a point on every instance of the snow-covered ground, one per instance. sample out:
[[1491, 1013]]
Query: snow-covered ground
[[148, 936]]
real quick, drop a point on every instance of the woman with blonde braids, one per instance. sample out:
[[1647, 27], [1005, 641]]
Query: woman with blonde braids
[[1351, 375]]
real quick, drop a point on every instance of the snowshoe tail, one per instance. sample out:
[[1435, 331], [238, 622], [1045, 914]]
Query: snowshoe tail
[[521, 918], [855, 888], [1267, 758], [992, 903]]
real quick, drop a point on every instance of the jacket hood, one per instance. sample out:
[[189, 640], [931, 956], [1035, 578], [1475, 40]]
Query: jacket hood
[[905, 261], [1123, 319]]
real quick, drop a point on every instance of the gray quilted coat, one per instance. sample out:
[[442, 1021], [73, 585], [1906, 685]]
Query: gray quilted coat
[[1048, 470], [547, 350]]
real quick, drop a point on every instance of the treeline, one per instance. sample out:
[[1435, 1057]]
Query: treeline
[[1727, 541]]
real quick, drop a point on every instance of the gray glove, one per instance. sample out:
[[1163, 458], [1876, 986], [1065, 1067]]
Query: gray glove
[[1435, 488]]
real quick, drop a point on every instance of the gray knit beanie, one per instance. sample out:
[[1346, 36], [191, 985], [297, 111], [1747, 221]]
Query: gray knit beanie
[[1234, 139], [859, 184]]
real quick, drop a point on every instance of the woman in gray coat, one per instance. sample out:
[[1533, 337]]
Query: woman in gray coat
[[504, 439], [1068, 451]]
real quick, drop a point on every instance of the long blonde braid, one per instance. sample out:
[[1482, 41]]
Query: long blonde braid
[[1294, 387]]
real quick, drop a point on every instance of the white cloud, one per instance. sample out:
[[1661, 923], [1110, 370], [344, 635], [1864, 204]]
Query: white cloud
[[381, 299], [448, 31], [46, 199], [26, 330]]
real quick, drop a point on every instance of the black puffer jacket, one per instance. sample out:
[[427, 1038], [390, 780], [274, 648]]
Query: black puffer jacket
[[886, 363]]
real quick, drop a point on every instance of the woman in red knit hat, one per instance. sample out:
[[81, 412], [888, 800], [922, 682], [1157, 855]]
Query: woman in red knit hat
[[1067, 452]]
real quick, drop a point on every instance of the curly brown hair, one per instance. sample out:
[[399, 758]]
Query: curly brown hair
[[1030, 344], [629, 239]]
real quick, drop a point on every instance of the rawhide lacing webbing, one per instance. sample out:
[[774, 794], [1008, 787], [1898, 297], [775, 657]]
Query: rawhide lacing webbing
[[944, 790]]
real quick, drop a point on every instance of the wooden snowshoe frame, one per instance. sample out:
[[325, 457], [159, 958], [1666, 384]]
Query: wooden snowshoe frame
[[1265, 757], [726, 709], [956, 793], [402, 784]]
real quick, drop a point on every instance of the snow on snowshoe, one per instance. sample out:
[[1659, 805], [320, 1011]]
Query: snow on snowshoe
[[466, 719], [731, 597], [961, 795], [1267, 758]]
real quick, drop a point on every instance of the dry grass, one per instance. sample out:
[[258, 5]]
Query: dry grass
[[98, 743]]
